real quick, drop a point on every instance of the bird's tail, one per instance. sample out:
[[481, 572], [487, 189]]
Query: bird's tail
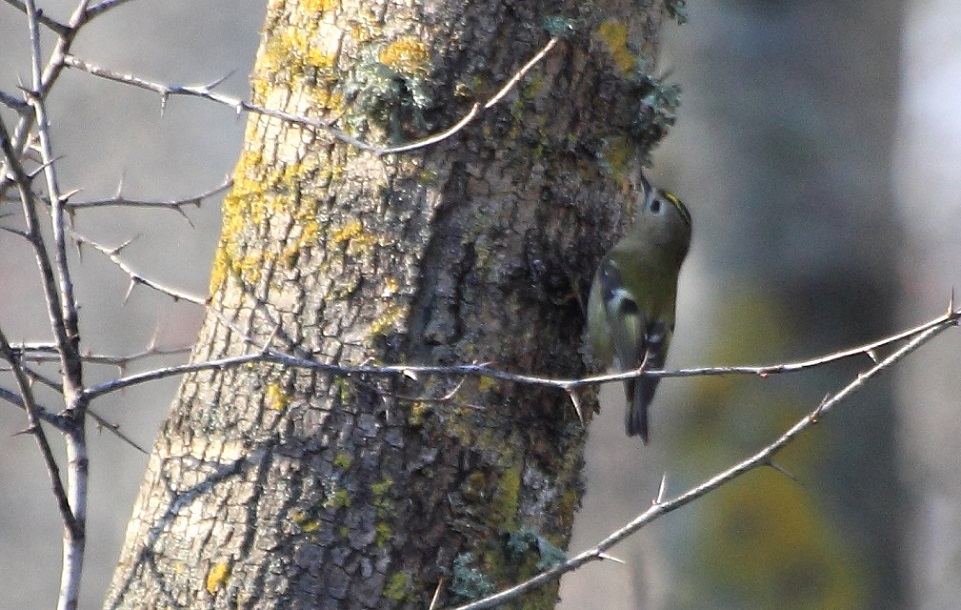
[[640, 392]]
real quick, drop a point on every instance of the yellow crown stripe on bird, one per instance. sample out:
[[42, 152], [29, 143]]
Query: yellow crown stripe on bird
[[677, 203]]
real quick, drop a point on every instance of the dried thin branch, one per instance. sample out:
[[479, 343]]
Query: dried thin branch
[[759, 459], [37, 377], [33, 410], [137, 278], [46, 352], [437, 592], [62, 422], [12, 102], [75, 540], [48, 22], [69, 339], [101, 8], [475, 109], [115, 430], [58, 288], [34, 235], [270, 355], [238, 105], [48, 78], [58, 421], [49, 75], [177, 205]]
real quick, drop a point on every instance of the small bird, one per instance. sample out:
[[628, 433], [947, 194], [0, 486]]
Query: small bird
[[630, 311]]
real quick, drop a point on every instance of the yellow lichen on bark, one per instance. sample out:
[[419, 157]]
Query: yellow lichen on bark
[[407, 56], [391, 316], [277, 398], [614, 37], [217, 576], [319, 6]]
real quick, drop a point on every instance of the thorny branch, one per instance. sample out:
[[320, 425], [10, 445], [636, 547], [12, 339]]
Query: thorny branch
[[178, 205], [265, 353], [763, 457], [66, 33], [61, 421], [66, 320], [207, 92], [43, 352], [30, 135], [33, 417], [137, 278]]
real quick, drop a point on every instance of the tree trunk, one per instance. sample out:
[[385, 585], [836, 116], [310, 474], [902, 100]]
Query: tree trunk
[[273, 486]]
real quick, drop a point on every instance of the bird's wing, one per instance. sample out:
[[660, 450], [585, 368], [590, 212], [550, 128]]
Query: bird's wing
[[636, 341], [626, 321]]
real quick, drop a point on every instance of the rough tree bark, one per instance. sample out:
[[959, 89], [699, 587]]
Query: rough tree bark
[[279, 487]]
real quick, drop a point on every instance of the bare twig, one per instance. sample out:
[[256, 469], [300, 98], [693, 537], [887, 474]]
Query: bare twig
[[101, 8], [36, 376], [54, 25], [440, 587], [34, 236], [33, 410], [269, 355], [66, 315], [238, 105], [115, 430], [761, 458], [177, 205], [12, 102], [54, 419], [48, 77], [66, 323], [62, 422], [46, 352], [503, 91], [137, 278], [58, 291]]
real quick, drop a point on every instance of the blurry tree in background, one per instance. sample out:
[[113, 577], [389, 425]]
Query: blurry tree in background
[[928, 189], [797, 102], [783, 152]]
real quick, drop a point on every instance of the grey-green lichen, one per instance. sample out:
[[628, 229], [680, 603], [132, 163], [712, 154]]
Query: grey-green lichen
[[383, 508], [677, 9], [340, 498], [525, 540], [657, 106], [391, 87], [342, 460], [560, 26], [467, 579]]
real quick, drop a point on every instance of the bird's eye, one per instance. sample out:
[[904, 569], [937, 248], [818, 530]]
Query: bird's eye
[[656, 206]]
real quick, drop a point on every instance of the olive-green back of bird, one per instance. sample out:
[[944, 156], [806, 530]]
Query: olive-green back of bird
[[632, 301]]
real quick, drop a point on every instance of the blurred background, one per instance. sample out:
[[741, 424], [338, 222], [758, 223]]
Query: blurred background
[[818, 147]]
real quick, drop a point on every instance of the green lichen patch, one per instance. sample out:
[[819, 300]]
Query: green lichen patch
[[398, 586], [467, 580]]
